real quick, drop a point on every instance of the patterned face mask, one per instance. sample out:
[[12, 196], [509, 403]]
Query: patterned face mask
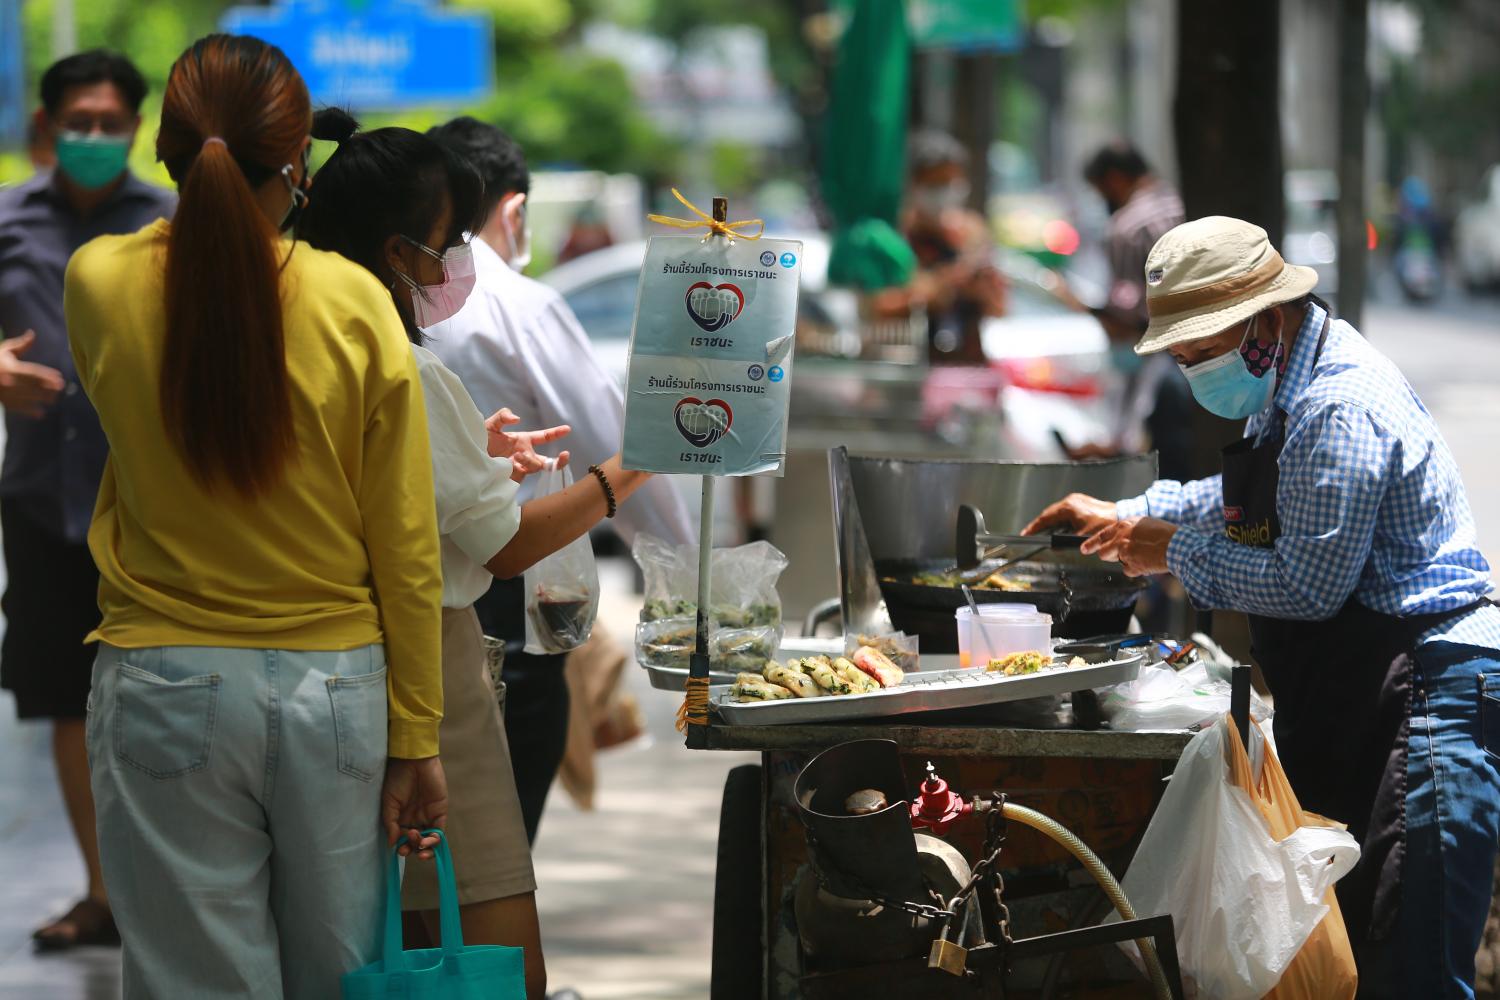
[[1260, 355]]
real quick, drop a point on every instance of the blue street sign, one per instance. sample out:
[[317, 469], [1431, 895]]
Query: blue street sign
[[14, 105], [376, 54]]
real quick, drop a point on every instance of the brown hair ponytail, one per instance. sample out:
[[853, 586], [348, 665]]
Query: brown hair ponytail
[[235, 112]]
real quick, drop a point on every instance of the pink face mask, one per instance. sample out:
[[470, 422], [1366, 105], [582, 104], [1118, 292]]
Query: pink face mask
[[431, 304]]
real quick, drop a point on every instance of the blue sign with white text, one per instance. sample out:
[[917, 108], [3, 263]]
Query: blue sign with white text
[[376, 54], [14, 101]]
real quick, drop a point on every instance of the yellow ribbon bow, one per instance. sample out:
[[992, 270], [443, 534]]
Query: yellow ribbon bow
[[714, 226]]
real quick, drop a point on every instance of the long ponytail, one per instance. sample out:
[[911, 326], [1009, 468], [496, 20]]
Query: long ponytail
[[235, 111]]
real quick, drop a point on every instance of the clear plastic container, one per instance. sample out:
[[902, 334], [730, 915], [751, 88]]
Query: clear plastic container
[[1002, 629]]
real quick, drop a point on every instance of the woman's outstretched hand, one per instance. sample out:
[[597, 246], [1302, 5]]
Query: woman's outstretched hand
[[520, 446]]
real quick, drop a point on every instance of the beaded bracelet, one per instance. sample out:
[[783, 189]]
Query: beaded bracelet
[[609, 491]]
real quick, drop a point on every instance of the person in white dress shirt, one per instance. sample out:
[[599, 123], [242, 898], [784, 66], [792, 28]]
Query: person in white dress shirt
[[516, 345]]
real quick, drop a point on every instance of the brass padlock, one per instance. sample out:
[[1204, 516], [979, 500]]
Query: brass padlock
[[951, 956]]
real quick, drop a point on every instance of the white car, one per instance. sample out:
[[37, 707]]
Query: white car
[[1056, 361], [1476, 236]]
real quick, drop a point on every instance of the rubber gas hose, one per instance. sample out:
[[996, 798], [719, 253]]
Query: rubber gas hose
[[1089, 860]]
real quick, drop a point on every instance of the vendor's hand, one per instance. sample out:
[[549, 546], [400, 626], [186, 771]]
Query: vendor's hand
[[520, 446], [1138, 544], [26, 388], [413, 798], [1077, 513]]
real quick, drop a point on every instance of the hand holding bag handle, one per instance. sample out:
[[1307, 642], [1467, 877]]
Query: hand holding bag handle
[[393, 958]]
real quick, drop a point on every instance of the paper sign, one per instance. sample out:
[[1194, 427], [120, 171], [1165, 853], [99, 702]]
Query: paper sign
[[711, 356]]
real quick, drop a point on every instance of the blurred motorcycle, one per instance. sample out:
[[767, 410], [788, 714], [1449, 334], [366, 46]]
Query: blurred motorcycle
[[1418, 270]]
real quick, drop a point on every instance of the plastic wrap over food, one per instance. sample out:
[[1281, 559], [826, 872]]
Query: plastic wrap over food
[[669, 642], [743, 584]]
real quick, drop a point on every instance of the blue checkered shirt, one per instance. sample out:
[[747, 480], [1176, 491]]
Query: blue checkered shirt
[[1370, 503]]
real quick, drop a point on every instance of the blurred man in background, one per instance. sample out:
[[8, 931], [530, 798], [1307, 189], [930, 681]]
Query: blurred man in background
[[517, 345], [956, 280], [55, 448], [1142, 208], [589, 232]]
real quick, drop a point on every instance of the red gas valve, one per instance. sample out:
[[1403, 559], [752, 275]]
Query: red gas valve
[[937, 807]]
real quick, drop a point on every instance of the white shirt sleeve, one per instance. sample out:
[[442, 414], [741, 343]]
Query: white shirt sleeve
[[476, 498]]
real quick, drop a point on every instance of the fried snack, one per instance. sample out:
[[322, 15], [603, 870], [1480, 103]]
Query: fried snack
[[827, 678], [794, 681], [748, 687], [879, 666], [1026, 662], [858, 681]]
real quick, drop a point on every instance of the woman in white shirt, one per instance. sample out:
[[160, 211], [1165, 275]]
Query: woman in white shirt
[[400, 204]]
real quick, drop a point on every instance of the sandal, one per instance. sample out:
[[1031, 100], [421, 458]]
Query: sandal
[[91, 921]]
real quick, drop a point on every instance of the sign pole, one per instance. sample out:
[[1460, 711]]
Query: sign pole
[[697, 684]]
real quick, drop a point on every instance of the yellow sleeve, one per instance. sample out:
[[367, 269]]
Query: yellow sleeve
[[78, 314], [397, 502]]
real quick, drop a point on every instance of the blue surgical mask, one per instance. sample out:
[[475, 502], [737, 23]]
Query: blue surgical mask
[[1225, 385], [91, 161]]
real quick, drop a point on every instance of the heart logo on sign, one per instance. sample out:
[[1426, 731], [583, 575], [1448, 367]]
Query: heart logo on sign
[[702, 423], [713, 307]]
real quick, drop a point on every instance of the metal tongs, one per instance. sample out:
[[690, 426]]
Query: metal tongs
[[974, 546]]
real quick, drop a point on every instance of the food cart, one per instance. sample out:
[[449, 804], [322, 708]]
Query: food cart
[[954, 755]]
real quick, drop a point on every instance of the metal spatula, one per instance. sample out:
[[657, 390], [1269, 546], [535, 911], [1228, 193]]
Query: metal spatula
[[975, 547]]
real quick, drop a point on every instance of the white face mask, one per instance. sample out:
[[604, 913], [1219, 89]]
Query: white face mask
[[517, 221], [934, 199]]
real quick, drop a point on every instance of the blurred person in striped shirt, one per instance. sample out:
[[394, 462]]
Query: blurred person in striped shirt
[[1155, 404]]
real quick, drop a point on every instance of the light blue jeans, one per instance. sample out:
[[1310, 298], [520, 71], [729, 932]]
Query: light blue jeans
[[238, 795], [1452, 818]]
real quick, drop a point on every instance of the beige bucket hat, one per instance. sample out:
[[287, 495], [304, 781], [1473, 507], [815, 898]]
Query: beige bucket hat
[[1205, 276]]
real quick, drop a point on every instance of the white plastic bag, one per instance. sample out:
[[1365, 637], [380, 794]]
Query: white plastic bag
[[1242, 903], [562, 590], [1163, 698]]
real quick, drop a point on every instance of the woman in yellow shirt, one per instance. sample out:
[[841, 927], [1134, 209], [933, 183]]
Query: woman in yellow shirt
[[268, 692]]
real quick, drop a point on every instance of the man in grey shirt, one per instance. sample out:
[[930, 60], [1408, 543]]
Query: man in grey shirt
[[55, 448]]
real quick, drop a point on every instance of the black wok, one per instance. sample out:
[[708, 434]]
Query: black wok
[[1083, 598]]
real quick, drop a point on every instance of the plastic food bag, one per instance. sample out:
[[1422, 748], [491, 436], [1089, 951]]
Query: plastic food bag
[[1246, 875], [1163, 698], [669, 642], [562, 590], [900, 648], [743, 582]]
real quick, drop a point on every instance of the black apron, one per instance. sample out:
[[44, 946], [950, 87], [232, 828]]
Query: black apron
[[1343, 702]]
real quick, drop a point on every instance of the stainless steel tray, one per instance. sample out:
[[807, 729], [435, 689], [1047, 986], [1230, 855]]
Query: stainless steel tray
[[926, 691], [675, 678]]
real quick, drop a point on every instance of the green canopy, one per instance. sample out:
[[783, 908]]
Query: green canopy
[[864, 158]]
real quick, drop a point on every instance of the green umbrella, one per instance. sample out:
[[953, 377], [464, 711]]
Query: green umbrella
[[864, 161]]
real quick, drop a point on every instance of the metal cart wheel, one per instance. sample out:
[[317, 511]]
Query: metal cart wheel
[[738, 923]]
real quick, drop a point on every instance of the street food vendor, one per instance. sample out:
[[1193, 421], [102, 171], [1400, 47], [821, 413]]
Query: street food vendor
[[1340, 525]]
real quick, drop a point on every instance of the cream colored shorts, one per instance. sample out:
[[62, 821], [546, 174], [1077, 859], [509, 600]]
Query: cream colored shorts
[[485, 832]]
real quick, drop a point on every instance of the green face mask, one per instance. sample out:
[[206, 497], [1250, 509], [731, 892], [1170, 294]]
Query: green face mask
[[91, 161]]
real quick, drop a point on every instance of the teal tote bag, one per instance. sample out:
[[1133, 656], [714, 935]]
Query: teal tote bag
[[452, 972]]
